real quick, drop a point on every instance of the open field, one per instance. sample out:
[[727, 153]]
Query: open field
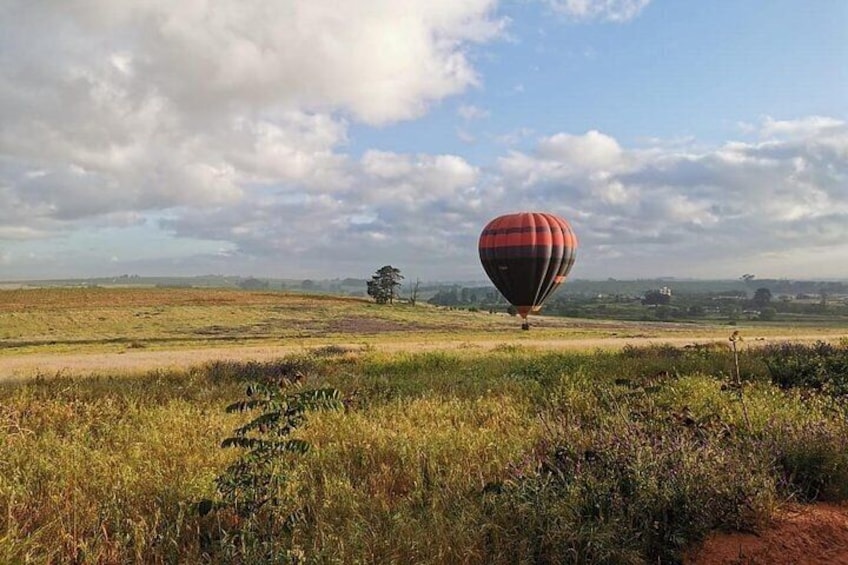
[[502, 456], [79, 330], [461, 439], [97, 320]]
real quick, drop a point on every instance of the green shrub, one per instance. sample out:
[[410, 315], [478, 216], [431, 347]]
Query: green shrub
[[588, 457], [820, 366]]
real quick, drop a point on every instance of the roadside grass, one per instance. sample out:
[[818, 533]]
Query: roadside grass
[[505, 456]]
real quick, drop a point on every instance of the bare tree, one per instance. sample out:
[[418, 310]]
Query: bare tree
[[414, 296]]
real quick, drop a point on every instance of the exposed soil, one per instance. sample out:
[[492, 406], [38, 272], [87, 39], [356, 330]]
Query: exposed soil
[[800, 535]]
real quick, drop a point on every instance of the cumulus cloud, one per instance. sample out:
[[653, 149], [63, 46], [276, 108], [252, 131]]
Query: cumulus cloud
[[592, 151], [402, 206], [697, 209], [603, 10], [380, 60], [695, 212], [112, 107], [800, 128]]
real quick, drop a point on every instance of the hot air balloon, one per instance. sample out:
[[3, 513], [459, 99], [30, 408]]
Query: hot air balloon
[[527, 256]]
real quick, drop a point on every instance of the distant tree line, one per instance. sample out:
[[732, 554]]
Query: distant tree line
[[730, 304]]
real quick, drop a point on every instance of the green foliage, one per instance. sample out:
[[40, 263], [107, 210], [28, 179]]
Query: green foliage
[[767, 314], [629, 475], [629, 495], [655, 297], [762, 297], [254, 486], [820, 366], [384, 283], [251, 283]]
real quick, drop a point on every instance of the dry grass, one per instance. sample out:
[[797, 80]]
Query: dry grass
[[146, 321], [475, 456]]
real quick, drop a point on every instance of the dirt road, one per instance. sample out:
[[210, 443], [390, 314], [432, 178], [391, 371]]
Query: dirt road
[[134, 361]]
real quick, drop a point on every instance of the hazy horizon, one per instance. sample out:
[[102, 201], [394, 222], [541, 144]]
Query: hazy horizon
[[407, 281]]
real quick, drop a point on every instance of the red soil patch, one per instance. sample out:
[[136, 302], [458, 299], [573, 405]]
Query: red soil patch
[[801, 534]]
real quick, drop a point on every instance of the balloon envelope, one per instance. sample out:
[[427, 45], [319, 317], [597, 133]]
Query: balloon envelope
[[527, 256]]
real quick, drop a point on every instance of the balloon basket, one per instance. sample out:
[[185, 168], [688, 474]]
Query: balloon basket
[[525, 326]]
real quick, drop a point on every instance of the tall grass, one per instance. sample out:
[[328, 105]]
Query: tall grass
[[468, 457]]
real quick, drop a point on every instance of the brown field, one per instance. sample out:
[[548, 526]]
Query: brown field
[[93, 330]]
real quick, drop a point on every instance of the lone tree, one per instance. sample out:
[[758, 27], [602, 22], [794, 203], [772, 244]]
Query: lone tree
[[383, 284]]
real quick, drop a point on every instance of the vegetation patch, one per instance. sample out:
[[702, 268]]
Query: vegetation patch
[[821, 366], [502, 456]]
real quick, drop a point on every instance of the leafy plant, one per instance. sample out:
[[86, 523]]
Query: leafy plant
[[253, 488]]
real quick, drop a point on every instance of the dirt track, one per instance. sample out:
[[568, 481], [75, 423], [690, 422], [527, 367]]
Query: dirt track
[[801, 534], [131, 361]]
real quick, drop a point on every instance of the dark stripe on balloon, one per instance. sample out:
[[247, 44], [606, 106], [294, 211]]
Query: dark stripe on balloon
[[524, 229], [556, 239], [510, 251]]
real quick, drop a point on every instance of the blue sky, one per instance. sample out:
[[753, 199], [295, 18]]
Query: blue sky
[[303, 139]]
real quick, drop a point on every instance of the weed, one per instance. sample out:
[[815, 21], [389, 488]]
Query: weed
[[252, 490]]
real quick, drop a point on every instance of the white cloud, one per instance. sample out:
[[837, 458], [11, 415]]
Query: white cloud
[[800, 128], [465, 136], [114, 107], [690, 211], [226, 122], [514, 137], [385, 164], [660, 209], [703, 210], [379, 60], [401, 206], [591, 151], [603, 10]]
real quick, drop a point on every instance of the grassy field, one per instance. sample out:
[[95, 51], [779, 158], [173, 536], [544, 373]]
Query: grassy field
[[506, 457], [75, 320], [110, 319], [503, 454]]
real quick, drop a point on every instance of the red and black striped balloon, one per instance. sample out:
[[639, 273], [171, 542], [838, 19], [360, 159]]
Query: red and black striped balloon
[[527, 256]]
